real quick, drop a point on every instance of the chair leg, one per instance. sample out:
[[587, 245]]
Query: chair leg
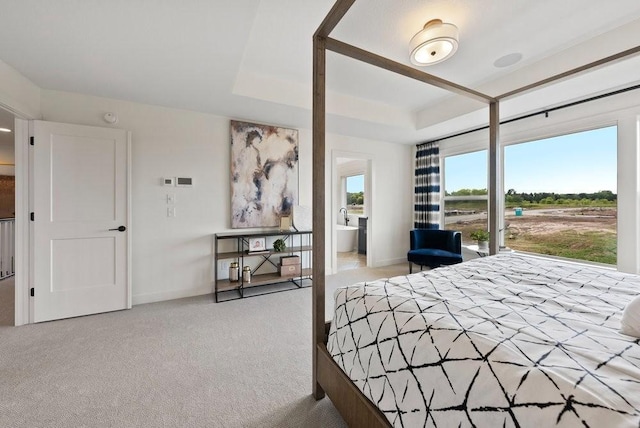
[[410, 267]]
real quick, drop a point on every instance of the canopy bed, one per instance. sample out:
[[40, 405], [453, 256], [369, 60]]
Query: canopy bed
[[336, 353]]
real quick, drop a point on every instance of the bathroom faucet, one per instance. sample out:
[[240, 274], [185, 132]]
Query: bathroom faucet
[[346, 218]]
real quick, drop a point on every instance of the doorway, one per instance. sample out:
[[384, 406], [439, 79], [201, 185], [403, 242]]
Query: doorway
[[7, 218], [352, 211]]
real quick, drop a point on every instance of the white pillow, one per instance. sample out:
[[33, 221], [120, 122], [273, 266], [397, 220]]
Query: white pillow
[[630, 322]]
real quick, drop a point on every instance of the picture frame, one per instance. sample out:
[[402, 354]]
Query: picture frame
[[264, 174], [285, 223], [257, 244]]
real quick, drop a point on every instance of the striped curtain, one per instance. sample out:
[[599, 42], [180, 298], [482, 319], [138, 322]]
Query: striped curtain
[[427, 187]]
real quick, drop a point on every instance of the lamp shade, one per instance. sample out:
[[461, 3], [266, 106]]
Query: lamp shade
[[436, 42]]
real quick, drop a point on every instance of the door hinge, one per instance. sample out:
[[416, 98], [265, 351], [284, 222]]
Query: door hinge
[[33, 291], [32, 216], [31, 140]]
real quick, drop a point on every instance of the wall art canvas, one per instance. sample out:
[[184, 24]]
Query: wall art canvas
[[264, 174]]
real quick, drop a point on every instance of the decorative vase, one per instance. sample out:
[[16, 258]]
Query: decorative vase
[[246, 274], [483, 245], [234, 272]]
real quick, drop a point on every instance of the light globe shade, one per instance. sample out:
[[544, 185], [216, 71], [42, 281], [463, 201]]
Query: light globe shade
[[436, 42]]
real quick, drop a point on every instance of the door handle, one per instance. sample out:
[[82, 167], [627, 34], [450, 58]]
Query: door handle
[[120, 229]]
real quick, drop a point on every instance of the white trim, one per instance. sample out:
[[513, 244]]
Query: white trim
[[467, 198], [22, 271], [129, 225], [389, 262]]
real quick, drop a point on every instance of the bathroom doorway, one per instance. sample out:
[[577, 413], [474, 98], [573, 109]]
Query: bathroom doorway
[[352, 200]]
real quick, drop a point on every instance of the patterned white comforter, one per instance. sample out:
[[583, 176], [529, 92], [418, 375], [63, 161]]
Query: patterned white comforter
[[507, 340]]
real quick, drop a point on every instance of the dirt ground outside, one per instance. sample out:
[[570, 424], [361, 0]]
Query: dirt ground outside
[[578, 233]]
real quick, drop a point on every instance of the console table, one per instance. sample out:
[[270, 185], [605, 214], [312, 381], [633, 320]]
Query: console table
[[264, 267]]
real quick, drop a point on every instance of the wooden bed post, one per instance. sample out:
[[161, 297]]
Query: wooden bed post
[[332, 19], [318, 299], [495, 175]]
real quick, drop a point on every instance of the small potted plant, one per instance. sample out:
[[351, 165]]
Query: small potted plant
[[482, 237], [279, 245]]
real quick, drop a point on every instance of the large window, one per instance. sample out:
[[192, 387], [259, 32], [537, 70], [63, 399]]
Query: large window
[[465, 200], [561, 196]]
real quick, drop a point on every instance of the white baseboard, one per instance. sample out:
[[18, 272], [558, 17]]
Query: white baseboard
[[139, 299], [389, 262]]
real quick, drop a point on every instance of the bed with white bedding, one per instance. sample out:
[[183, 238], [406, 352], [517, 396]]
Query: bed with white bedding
[[507, 340]]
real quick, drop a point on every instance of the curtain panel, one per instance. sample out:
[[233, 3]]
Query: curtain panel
[[427, 187]]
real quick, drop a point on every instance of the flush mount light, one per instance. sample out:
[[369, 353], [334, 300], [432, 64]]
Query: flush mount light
[[436, 42], [5, 130]]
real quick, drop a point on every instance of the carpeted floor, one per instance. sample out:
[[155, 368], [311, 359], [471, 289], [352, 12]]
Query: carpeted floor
[[181, 363], [7, 300]]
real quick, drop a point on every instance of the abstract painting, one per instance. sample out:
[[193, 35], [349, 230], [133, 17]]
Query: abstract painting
[[264, 174]]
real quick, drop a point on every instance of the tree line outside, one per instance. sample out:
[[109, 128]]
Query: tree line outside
[[355, 198], [603, 198]]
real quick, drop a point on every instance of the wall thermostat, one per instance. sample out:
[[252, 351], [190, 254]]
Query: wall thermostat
[[184, 181], [168, 181]]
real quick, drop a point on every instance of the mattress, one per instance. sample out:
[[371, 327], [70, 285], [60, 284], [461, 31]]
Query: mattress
[[508, 340]]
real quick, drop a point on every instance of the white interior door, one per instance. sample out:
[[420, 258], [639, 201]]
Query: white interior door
[[80, 199]]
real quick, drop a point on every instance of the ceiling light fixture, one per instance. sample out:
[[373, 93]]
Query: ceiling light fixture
[[436, 42], [5, 130]]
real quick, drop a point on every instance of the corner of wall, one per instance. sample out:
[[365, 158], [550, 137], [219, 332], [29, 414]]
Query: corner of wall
[[18, 94]]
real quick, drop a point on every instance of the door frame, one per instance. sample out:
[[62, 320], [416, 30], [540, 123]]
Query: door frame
[[22, 305], [24, 313], [335, 204]]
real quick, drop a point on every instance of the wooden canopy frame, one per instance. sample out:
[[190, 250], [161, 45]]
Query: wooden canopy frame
[[356, 409]]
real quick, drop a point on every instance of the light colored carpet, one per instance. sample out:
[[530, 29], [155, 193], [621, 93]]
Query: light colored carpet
[[7, 301], [182, 363]]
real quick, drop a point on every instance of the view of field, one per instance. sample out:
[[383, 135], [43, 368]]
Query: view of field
[[557, 184], [585, 233]]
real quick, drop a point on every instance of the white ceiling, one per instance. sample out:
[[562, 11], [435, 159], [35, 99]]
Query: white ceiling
[[251, 59]]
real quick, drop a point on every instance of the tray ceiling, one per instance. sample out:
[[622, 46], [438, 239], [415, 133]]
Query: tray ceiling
[[251, 59]]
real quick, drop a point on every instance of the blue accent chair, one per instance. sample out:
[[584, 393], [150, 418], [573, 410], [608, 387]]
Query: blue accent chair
[[433, 248]]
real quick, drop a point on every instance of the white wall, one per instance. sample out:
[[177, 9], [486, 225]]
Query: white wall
[[172, 257], [18, 94]]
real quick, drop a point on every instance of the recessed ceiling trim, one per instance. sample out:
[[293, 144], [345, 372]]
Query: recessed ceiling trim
[[558, 77], [387, 64]]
